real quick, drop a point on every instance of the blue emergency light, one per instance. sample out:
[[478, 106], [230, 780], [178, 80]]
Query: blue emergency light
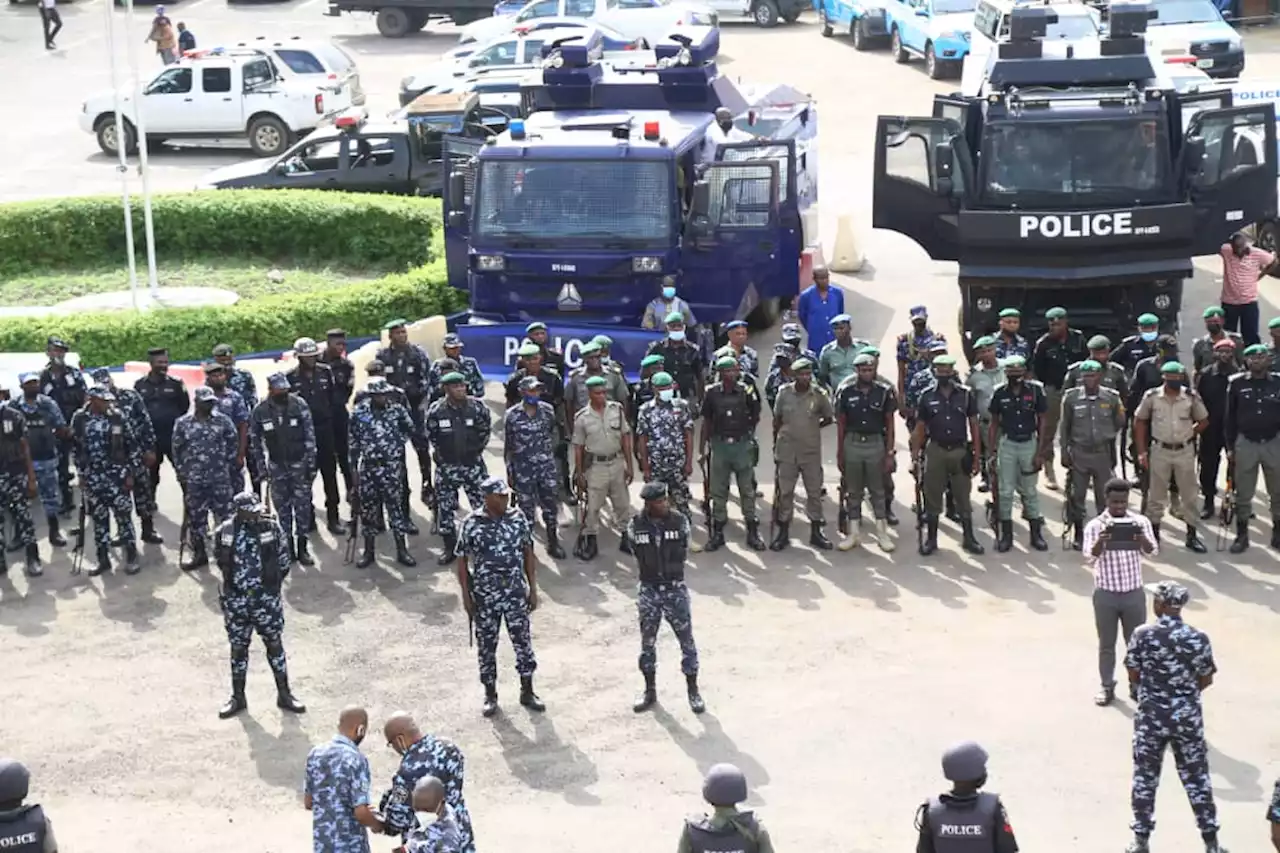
[[516, 128]]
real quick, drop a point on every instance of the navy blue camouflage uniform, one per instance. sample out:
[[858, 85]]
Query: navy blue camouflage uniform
[[67, 387], [407, 369], [495, 551], [338, 781], [14, 476], [441, 836], [130, 403], [429, 756], [664, 427], [661, 546], [529, 444], [466, 365], [282, 440], [253, 557], [242, 383], [458, 434], [107, 454], [377, 455], [233, 406], [43, 418], [204, 455]]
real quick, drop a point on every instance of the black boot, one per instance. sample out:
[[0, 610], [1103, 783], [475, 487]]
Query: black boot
[[303, 555], [55, 535], [528, 698], [1005, 543], [1194, 544], [104, 562], [447, 554], [590, 547], [554, 549], [310, 525], [649, 697], [131, 565], [782, 537], [1241, 542], [1275, 533], [930, 543], [889, 515], [410, 528], [199, 557], [149, 534], [237, 702], [336, 527], [624, 544], [969, 542], [490, 706], [1077, 536], [1207, 512], [754, 542], [33, 561], [817, 538], [4, 564], [403, 557], [366, 556], [695, 698], [67, 502], [1037, 534], [716, 541], [285, 700]]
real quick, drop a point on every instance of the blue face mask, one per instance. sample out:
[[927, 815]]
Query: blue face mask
[[1148, 337], [668, 293], [676, 334], [667, 395], [531, 399]]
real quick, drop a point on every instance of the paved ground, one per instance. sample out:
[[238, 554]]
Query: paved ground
[[833, 680]]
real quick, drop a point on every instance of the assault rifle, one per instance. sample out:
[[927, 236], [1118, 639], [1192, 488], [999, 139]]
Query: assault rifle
[[842, 517], [579, 484], [1070, 524], [704, 463], [77, 557], [353, 532], [1227, 512], [918, 472], [184, 532], [993, 502], [777, 494]]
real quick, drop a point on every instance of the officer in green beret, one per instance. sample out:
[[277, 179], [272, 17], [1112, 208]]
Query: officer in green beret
[[664, 441], [1136, 347], [1165, 428], [1092, 416], [603, 463], [1273, 329], [802, 410], [1018, 432], [985, 375], [730, 415], [681, 358], [575, 390], [1055, 351], [1112, 375], [408, 368], [606, 354], [946, 428], [1252, 432], [865, 440], [642, 391], [551, 357], [889, 515], [1008, 341], [1202, 352], [531, 363]]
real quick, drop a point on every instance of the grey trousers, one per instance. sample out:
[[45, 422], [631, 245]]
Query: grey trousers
[[1112, 610]]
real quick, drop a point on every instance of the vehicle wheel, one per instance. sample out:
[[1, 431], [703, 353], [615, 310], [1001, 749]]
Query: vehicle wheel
[[1269, 238], [417, 20], [932, 66], [899, 52], [859, 32], [827, 29], [393, 22], [106, 132], [792, 17], [766, 13], [268, 136]]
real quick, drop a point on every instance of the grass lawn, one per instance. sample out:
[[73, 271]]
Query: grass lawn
[[245, 276]]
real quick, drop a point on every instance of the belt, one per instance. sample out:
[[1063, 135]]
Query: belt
[[732, 439], [1169, 446], [663, 585], [1018, 440], [1259, 438], [1093, 448], [603, 460], [864, 436], [947, 446]]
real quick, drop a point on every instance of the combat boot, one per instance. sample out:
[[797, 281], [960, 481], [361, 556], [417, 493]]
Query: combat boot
[[303, 555], [853, 537], [782, 537], [285, 700], [883, 538], [1037, 534], [104, 562], [366, 556], [528, 698], [131, 565], [237, 702], [716, 541], [1211, 844], [490, 706], [199, 556], [649, 697], [930, 543], [448, 554], [409, 526], [1139, 844], [968, 541], [403, 557], [1241, 543], [818, 538], [624, 544], [34, 569], [1077, 536], [590, 547], [890, 516], [695, 698], [1207, 512], [1275, 533], [149, 534], [1194, 543], [554, 549], [754, 542], [336, 527], [1004, 544], [55, 535]]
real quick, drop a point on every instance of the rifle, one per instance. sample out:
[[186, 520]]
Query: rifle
[[777, 494], [1069, 521], [1124, 448], [1227, 512], [353, 534], [580, 494], [704, 465], [993, 503], [917, 472], [77, 557], [184, 532], [842, 517]]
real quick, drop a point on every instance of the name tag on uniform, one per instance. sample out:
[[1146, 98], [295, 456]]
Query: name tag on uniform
[[8, 426], [48, 389], [167, 390], [71, 380], [728, 413], [293, 421], [226, 539], [671, 534], [391, 368], [443, 425], [269, 426], [642, 539], [409, 369], [116, 430], [470, 422], [266, 537]]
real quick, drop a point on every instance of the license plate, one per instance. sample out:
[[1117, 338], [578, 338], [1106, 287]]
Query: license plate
[[1204, 63]]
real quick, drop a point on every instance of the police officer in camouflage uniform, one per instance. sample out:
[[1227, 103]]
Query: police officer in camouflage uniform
[[17, 486], [458, 428], [107, 459], [131, 404], [1008, 340], [315, 384], [66, 386], [1019, 432], [1135, 348], [643, 391], [661, 538], [966, 818], [44, 424], [497, 574], [784, 356], [252, 553], [408, 366], [531, 363], [233, 406], [730, 415], [802, 410], [529, 445], [379, 430], [865, 439], [664, 442], [1253, 440], [748, 359], [725, 828], [1092, 416], [241, 382], [205, 446], [946, 427], [282, 439], [423, 755], [915, 353], [1203, 348], [337, 789], [464, 364], [1170, 664]]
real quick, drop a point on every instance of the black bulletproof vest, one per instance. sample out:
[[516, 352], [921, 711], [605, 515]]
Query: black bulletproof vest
[[11, 424], [704, 839], [225, 554], [964, 829], [165, 402], [282, 430], [864, 409], [23, 831], [40, 437], [660, 548], [459, 442], [316, 388]]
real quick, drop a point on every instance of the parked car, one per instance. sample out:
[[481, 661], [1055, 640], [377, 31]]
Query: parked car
[[322, 63], [651, 20], [764, 13], [937, 30], [865, 22]]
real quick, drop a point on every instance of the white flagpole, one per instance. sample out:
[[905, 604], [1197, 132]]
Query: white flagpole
[[123, 168], [143, 168]]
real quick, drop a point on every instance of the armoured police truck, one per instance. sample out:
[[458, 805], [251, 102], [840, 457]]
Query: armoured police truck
[[1075, 178]]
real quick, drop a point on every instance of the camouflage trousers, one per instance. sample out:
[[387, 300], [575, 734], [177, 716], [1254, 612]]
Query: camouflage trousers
[[451, 478], [671, 473], [47, 484], [493, 607], [536, 482], [201, 499], [1152, 732], [144, 496], [382, 485], [245, 613], [291, 496], [670, 601], [13, 497], [104, 489]]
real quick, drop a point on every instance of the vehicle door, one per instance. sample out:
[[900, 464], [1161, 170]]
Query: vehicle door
[[221, 107], [260, 91], [497, 55], [170, 104], [541, 9], [915, 22], [458, 192], [1229, 160], [1190, 104], [982, 41], [530, 51], [376, 163], [315, 165], [790, 236], [732, 245], [585, 8], [922, 170]]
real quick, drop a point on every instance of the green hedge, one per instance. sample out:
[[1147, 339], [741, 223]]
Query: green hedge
[[381, 231]]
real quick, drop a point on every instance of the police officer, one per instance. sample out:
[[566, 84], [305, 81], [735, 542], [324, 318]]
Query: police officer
[[167, 400], [914, 350], [1165, 427], [423, 755], [233, 406], [407, 368], [1020, 435], [438, 830], [681, 358], [985, 374], [1212, 381], [661, 537], [748, 359], [315, 384], [1145, 377], [725, 828], [205, 446], [889, 515], [1008, 340], [551, 357], [131, 404], [1092, 416], [793, 336], [865, 437], [553, 393], [1112, 376], [45, 426], [497, 574], [379, 431], [337, 788], [1203, 352], [575, 390], [107, 458], [1170, 664], [1135, 348], [664, 441], [344, 379], [918, 383], [784, 355], [1055, 352], [731, 412], [241, 382], [530, 434], [1273, 330], [66, 386], [458, 427], [966, 818], [802, 410], [946, 426], [603, 462], [453, 360], [252, 553], [1251, 429], [17, 486], [282, 439], [606, 354], [643, 390], [24, 828], [835, 362]]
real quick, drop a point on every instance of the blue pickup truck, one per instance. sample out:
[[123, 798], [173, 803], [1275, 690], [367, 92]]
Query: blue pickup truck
[[937, 30]]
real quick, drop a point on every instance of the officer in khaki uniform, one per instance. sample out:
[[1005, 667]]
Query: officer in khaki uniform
[[1092, 417], [730, 414], [865, 438], [983, 378], [575, 389], [1252, 433], [1165, 427], [603, 461], [947, 419], [803, 408]]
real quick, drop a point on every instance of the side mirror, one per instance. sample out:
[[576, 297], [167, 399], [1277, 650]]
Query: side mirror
[[281, 169], [943, 158], [457, 192], [477, 62], [700, 204], [457, 219]]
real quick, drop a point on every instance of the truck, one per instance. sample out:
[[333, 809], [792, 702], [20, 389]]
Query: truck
[[618, 178], [1074, 178], [399, 18]]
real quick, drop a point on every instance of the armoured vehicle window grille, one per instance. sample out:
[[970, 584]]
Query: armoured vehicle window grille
[[460, 157], [741, 196], [1232, 146], [777, 153]]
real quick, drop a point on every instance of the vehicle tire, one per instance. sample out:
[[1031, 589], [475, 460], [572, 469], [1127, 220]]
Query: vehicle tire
[[827, 29], [899, 52], [268, 136], [932, 65], [861, 41], [1269, 238], [105, 130], [765, 13], [792, 17], [417, 19], [394, 22]]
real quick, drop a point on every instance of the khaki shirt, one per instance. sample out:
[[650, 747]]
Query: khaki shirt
[[800, 416], [1091, 421], [1172, 420], [983, 381], [575, 390], [600, 433]]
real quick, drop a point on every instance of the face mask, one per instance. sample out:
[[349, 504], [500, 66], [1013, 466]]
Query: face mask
[[668, 293], [667, 395], [726, 126], [1213, 328], [1172, 385], [1149, 336], [531, 399], [205, 407], [676, 336], [30, 395], [57, 359], [426, 818], [944, 381], [605, 360]]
